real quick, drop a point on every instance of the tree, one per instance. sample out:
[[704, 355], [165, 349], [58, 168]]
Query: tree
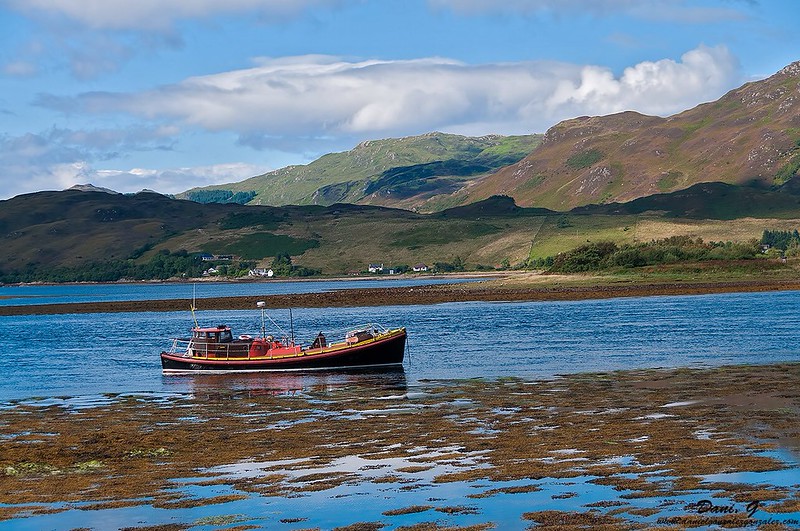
[[282, 264]]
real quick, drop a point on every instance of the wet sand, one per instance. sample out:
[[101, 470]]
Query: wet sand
[[652, 436], [494, 290]]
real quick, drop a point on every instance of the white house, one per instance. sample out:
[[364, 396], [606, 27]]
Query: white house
[[419, 268], [375, 268]]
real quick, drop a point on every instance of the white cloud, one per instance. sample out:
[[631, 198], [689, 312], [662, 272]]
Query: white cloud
[[58, 158], [175, 180], [322, 96], [156, 14], [32, 174], [662, 87]]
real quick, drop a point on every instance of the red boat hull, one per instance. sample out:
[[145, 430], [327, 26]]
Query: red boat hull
[[384, 350]]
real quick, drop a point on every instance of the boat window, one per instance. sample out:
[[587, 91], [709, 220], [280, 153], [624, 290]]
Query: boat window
[[226, 337]]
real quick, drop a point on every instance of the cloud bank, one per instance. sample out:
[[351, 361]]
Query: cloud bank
[[329, 97], [59, 158]]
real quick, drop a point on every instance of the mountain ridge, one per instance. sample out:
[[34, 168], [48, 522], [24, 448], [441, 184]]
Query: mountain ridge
[[397, 172], [751, 135]]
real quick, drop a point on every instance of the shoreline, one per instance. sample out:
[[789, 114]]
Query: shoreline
[[496, 290], [258, 280]]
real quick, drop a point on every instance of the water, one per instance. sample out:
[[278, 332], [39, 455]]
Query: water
[[63, 293], [77, 359], [92, 354]]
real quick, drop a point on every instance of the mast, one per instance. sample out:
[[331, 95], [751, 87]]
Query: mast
[[262, 305], [193, 307], [291, 325]]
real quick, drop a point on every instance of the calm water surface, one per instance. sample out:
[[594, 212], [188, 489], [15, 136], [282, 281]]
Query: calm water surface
[[92, 354], [63, 293], [76, 359]]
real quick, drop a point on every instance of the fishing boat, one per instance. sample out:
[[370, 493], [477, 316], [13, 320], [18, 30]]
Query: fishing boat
[[216, 349]]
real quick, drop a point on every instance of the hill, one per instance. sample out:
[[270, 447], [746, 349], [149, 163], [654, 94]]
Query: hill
[[148, 235], [81, 230], [397, 172], [750, 136]]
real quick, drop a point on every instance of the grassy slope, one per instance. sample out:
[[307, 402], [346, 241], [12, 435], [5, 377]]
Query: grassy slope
[[69, 228], [749, 135], [352, 171]]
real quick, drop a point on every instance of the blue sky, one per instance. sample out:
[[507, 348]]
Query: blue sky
[[170, 94]]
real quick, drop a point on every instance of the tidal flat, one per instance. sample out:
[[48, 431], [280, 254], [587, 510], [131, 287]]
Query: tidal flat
[[653, 448]]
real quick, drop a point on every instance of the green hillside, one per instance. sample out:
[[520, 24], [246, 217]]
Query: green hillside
[[74, 235], [399, 172]]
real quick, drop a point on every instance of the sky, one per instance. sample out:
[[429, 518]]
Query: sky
[[170, 94]]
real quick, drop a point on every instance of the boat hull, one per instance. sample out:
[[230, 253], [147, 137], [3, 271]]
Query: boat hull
[[385, 350]]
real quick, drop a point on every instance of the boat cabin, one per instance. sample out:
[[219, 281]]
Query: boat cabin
[[217, 334]]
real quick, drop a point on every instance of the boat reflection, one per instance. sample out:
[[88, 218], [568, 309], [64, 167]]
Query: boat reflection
[[378, 379]]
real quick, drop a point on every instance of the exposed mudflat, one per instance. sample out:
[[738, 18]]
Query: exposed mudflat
[[494, 290], [649, 445]]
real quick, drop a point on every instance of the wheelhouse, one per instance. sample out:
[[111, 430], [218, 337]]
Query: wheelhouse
[[217, 334]]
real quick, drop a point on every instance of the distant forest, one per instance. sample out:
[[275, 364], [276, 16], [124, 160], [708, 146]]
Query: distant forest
[[162, 266], [606, 255], [781, 239]]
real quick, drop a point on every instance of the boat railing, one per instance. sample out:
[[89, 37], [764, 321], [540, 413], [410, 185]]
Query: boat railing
[[179, 345], [217, 350], [367, 327]]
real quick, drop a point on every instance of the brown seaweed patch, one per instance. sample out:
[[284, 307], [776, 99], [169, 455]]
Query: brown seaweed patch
[[572, 520], [458, 509], [111, 504], [392, 478], [640, 486], [413, 469], [220, 520], [159, 527], [19, 511], [411, 509], [361, 526], [786, 506], [606, 503], [522, 489], [434, 526], [324, 481], [462, 475], [611, 427], [200, 502]]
